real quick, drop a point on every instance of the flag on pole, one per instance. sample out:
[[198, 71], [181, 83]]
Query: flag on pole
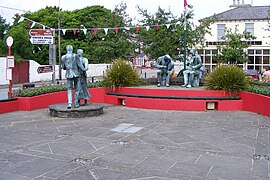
[[185, 3]]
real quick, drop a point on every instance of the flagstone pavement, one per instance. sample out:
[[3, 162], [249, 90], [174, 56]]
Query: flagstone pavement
[[128, 143]]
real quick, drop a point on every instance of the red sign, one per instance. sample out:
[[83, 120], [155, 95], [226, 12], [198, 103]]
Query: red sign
[[44, 69], [41, 32]]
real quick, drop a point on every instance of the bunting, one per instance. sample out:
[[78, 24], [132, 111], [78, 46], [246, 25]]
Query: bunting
[[64, 31], [116, 30], [95, 31], [74, 31], [105, 30]]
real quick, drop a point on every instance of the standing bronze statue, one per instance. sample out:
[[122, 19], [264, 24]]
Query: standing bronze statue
[[72, 65], [165, 67], [192, 72], [84, 93]]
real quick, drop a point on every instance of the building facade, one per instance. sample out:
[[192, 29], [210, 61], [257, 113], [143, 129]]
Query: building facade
[[253, 19]]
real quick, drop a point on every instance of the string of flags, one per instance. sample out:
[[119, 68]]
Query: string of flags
[[94, 31]]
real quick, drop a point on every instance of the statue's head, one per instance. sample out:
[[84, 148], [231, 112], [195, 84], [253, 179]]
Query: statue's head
[[192, 51], [167, 57], [69, 48], [80, 52]]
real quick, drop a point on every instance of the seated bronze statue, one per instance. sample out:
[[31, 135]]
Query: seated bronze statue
[[165, 67], [193, 70]]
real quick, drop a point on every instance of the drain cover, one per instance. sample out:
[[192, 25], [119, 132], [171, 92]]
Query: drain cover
[[126, 128]]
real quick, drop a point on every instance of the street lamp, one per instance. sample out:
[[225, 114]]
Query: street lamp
[[59, 43]]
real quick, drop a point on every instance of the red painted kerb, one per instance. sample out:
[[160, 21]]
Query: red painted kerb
[[248, 101]]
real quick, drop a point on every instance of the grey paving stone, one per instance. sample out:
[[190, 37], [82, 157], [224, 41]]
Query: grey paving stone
[[229, 172], [170, 145], [9, 176]]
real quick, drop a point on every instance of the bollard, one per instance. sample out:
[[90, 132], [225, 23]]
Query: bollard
[[145, 75], [93, 79]]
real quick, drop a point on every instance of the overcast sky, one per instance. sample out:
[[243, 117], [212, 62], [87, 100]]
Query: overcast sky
[[202, 8]]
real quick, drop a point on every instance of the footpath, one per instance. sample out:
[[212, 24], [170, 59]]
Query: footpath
[[128, 143]]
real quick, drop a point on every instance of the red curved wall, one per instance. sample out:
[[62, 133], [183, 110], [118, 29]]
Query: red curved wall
[[248, 102], [256, 103]]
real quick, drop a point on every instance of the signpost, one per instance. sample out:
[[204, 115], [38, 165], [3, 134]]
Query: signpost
[[41, 36], [45, 36], [41, 32], [10, 65], [42, 40], [44, 69]]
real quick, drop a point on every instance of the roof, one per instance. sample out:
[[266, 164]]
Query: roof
[[245, 13]]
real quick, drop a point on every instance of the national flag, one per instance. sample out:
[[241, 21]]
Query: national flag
[[185, 3], [188, 5]]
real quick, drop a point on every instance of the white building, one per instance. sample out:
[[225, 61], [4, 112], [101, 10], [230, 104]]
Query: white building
[[254, 19]]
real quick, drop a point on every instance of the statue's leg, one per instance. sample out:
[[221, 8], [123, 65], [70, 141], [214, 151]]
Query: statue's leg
[[77, 91], [185, 73], [190, 79], [69, 92], [169, 73], [159, 77]]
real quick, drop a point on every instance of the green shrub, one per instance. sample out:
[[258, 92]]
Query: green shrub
[[227, 77], [121, 74], [29, 92], [264, 90]]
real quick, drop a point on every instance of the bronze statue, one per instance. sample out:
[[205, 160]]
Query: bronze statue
[[192, 72], [71, 63], [84, 93], [165, 67]]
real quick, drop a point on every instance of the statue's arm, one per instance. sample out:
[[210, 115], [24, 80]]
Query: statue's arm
[[63, 59], [198, 63], [79, 63], [159, 64], [85, 64]]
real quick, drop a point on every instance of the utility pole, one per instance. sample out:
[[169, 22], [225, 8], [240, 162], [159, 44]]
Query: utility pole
[[185, 34], [59, 43]]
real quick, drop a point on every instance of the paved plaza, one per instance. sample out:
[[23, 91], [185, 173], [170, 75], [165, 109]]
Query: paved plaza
[[128, 143]]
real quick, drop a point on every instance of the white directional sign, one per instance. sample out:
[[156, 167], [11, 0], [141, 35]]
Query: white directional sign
[[42, 39], [41, 36]]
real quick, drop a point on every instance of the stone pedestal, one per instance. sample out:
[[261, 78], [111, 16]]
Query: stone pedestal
[[60, 110]]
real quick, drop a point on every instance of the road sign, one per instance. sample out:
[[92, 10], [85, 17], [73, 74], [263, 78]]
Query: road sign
[[44, 69], [42, 40], [10, 61], [41, 32], [9, 74], [9, 41]]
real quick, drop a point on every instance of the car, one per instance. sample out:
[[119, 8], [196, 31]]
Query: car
[[253, 74]]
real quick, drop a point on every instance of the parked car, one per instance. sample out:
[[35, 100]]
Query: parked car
[[253, 74]]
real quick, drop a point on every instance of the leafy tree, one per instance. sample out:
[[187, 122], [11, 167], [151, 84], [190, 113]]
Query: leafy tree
[[169, 40], [233, 49], [3, 28], [98, 48], [21, 47]]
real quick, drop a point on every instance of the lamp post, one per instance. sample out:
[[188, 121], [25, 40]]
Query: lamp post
[[59, 43], [185, 41]]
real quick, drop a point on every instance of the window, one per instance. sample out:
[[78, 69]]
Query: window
[[250, 28], [220, 32], [266, 51], [258, 51], [207, 59], [250, 51]]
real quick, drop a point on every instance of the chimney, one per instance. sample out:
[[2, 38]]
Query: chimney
[[242, 4]]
